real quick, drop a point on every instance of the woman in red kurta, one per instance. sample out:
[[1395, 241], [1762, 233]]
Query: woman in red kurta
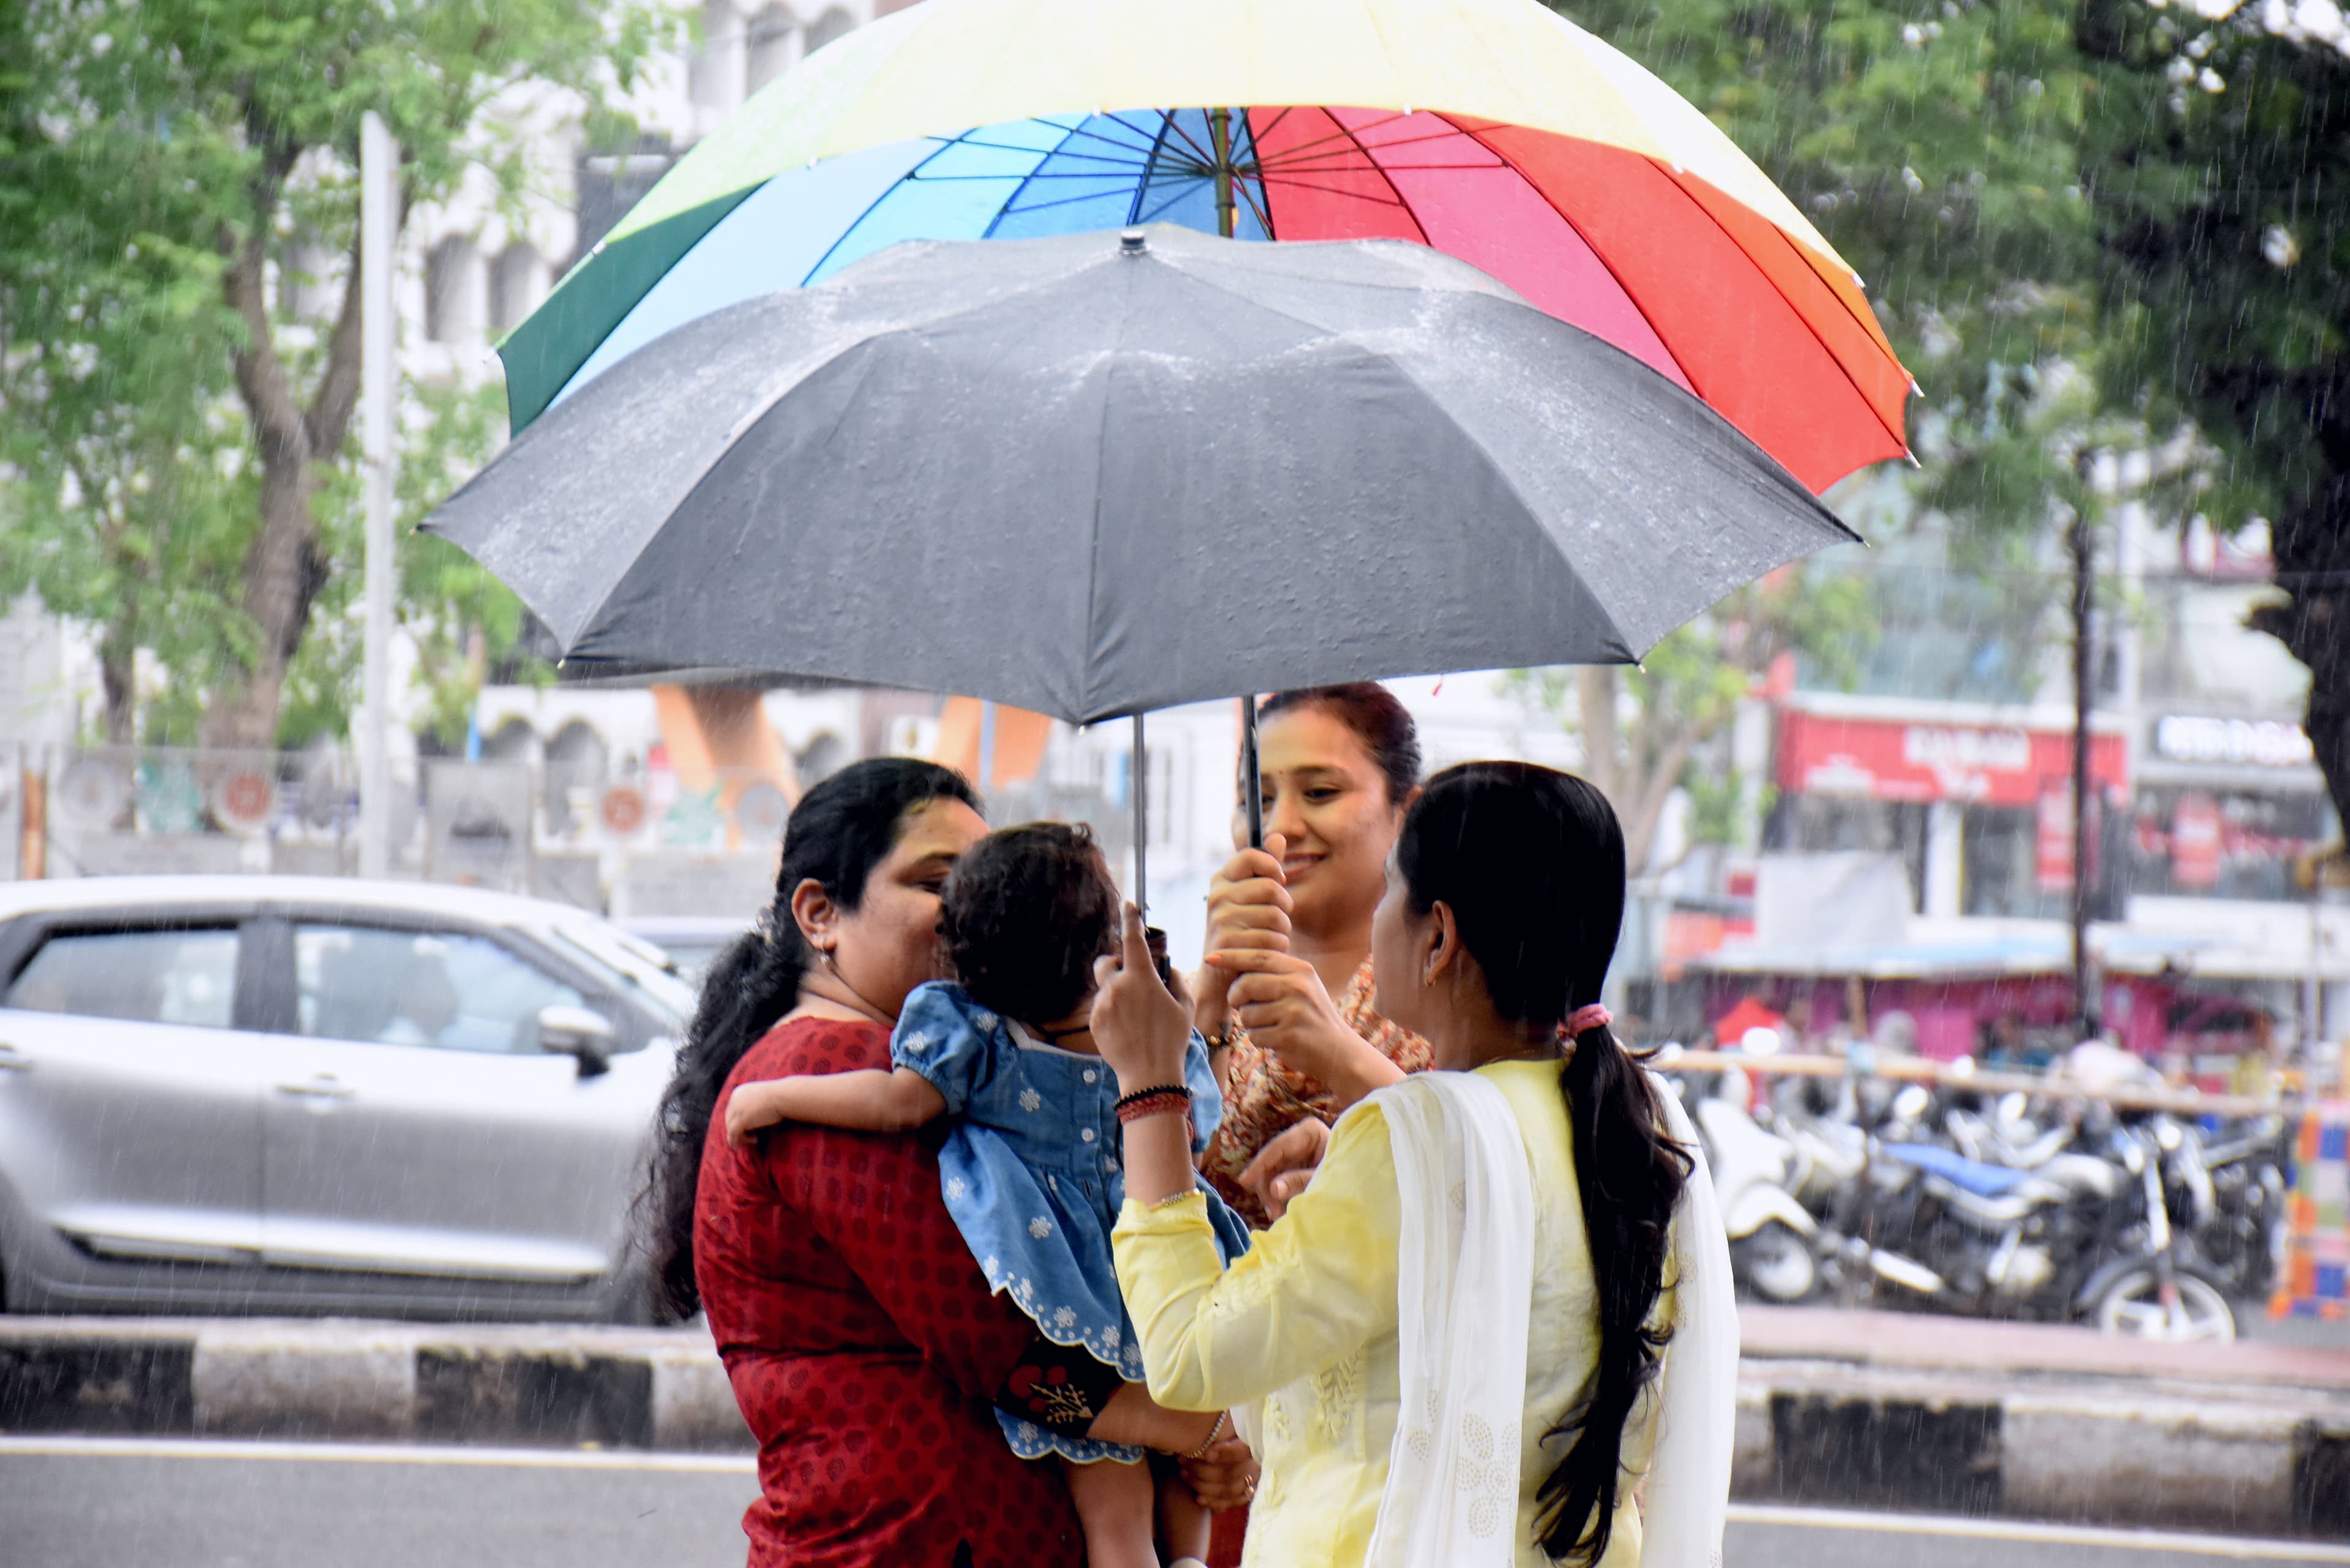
[[864, 1346], [862, 1341]]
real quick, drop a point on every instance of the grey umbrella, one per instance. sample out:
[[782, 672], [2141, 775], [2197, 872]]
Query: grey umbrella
[[1097, 474]]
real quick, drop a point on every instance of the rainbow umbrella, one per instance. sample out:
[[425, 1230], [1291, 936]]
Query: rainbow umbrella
[[1494, 130]]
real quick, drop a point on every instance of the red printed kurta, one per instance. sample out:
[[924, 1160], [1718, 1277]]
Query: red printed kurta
[[1264, 1098], [863, 1343]]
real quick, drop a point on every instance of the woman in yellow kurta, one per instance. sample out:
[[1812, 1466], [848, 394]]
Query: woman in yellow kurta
[[1503, 900]]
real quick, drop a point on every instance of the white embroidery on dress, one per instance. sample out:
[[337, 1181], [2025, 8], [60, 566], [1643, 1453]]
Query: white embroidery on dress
[[916, 1043], [1064, 1317], [956, 1188], [1420, 1436], [1040, 1226], [1030, 1100], [1487, 1470], [984, 1020]]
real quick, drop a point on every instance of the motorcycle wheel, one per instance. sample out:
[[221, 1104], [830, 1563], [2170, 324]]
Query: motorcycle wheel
[[2132, 1307], [1775, 1264]]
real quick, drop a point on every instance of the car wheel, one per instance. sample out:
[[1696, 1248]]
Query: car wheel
[[1776, 1262]]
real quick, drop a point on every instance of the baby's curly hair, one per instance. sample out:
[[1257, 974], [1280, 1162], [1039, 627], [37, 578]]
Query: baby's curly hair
[[1025, 915]]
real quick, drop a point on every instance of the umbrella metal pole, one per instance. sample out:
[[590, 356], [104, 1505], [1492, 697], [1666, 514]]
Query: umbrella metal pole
[[1219, 126], [1139, 771], [1252, 781]]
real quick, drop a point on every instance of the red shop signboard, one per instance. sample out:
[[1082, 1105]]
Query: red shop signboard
[[1894, 759]]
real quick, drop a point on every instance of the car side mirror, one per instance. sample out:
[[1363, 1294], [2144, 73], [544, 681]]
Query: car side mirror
[[578, 1033]]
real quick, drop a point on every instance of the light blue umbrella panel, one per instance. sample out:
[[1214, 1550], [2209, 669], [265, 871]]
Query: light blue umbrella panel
[[1024, 179]]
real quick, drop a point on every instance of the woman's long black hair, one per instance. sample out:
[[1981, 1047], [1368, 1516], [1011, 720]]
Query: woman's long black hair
[[839, 831], [1531, 863]]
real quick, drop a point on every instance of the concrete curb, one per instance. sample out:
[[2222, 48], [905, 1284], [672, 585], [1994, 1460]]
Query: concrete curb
[[360, 1380], [1992, 1437]]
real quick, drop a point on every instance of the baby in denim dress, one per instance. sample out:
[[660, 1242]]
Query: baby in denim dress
[[1029, 1167]]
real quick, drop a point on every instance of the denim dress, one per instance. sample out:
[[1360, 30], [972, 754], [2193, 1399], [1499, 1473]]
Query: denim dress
[[1030, 1173]]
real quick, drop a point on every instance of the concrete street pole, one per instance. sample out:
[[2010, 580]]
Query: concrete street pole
[[379, 220], [2084, 802]]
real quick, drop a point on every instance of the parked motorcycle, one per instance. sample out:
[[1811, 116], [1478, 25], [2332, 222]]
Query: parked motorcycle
[[1773, 1238]]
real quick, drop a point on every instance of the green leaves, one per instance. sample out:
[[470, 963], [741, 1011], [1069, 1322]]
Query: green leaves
[[144, 144]]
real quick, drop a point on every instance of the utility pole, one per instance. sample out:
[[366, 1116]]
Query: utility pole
[[2084, 663], [379, 218]]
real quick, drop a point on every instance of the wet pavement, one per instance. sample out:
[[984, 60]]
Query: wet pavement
[[96, 1503]]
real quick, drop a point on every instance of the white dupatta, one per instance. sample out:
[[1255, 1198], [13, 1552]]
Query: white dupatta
[[1464, 1296]]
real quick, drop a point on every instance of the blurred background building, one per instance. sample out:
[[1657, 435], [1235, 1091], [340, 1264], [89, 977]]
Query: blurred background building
[[1898, 839]]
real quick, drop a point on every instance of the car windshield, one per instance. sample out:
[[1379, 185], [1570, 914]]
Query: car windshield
[[641, 964]]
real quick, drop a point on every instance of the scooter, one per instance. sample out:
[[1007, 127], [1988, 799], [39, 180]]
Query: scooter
[[1772, 1236]]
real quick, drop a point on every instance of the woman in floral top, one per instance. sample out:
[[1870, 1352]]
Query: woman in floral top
[[1284, 1000]]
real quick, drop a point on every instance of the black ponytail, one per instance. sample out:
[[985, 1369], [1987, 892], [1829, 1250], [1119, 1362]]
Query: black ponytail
[[1531, 863], [839, 831]]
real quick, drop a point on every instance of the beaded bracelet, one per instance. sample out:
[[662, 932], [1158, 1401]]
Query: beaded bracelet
[[1215, 1431]]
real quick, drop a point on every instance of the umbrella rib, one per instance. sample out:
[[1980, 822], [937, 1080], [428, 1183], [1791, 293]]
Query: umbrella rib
[[1601, 257], [1063, 202], [1142, 186], [1004, 147], [1494, 159], [1012, 203], [871, 207], [1141, 129], [1402, 204], [1397, 202], [718, 460], [1351, 135], [1833, 359], [1788, 240]]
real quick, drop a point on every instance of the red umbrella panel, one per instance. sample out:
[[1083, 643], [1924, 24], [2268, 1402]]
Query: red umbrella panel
[[1652, 260]]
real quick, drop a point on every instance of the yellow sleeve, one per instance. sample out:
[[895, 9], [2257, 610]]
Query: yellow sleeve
[[1316, 1286]]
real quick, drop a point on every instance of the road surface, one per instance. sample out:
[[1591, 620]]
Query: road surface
[[126, 1503]]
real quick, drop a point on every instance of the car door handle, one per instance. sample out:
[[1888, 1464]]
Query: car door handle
[[321, 1088], [14, 1061]]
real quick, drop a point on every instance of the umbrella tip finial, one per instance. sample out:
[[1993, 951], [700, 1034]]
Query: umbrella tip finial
[[1133, 243]]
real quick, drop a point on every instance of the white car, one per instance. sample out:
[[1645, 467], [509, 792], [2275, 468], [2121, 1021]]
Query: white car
[[295, 1094]]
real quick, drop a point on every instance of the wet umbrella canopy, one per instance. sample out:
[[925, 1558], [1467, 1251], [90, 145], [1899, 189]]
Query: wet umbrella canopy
[[1093, 475]]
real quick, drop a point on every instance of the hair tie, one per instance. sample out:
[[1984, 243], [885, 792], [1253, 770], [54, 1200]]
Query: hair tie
[[1592, 1017]]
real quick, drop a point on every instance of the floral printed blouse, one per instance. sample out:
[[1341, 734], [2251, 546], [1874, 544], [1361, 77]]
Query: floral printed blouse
[[1265, 1098]]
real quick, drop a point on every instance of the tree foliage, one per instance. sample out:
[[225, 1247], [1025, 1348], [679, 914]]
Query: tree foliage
[[179, 290], [1665, 725], [2221, 160], [2083, 224]]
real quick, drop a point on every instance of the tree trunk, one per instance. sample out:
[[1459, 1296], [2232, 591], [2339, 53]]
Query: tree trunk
[[1636, 780], [1594, 691], [284, 570], [285, 567], [117, 668], [2313, 565]]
